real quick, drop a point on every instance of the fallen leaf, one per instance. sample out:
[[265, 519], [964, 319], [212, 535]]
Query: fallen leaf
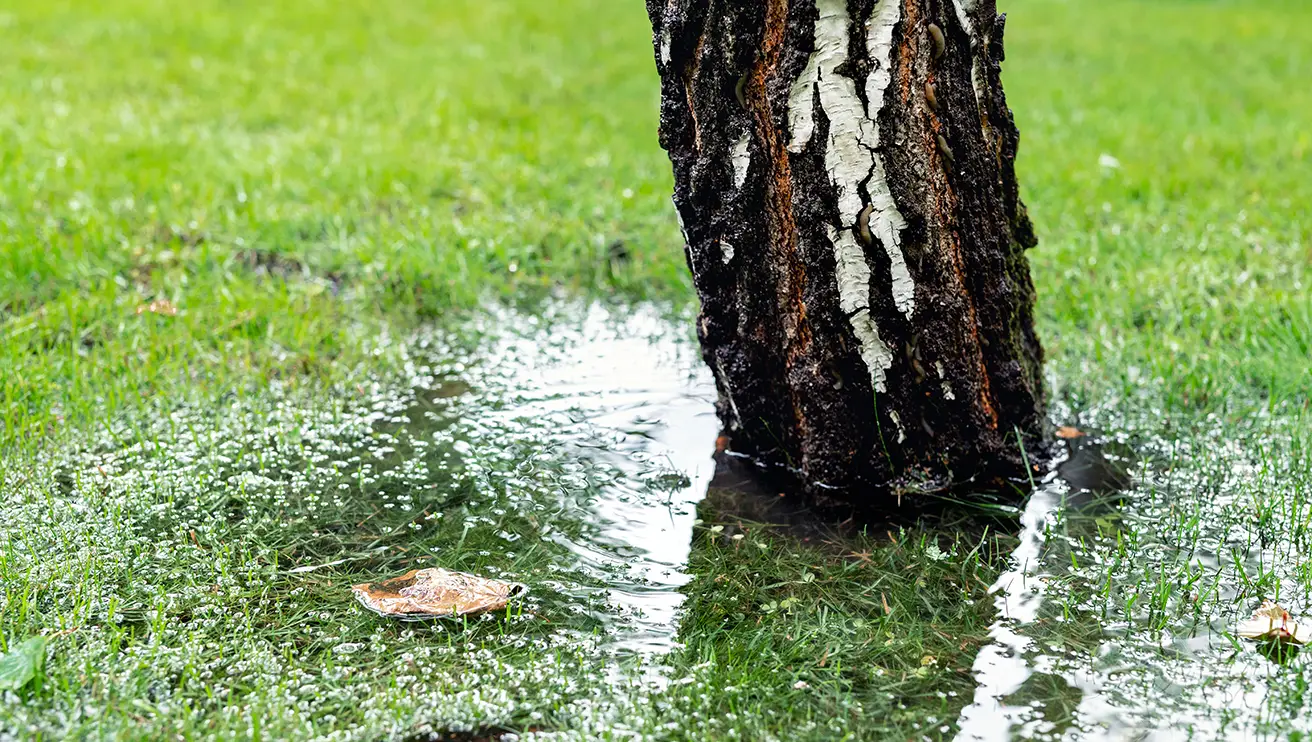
[[1271, 623], [435, 593], [21, 663], [159, 306], [1066, 432]]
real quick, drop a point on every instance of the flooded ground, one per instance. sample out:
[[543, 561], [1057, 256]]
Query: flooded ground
[[1116, 619], [201, 558], [632, 394]]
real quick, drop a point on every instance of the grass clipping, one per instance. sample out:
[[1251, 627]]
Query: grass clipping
[[435, 593]]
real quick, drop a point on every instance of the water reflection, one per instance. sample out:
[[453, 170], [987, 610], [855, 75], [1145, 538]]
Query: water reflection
[[572, 451], [740, 493], [647, 401], [1020, 693]]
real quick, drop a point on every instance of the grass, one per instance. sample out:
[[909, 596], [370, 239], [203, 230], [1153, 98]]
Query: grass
[[315, 185]]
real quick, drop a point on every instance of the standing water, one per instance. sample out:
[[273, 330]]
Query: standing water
[[199, 555], [646, 404]]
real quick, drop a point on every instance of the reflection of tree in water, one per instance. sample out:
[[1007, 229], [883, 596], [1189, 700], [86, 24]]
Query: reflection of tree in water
[[1051, 703], [895, 611], [740, 493], [794, 600]]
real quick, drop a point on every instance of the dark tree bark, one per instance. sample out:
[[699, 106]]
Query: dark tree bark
[[844, 180]]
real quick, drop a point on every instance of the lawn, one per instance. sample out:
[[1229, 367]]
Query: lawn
[[262, 269]]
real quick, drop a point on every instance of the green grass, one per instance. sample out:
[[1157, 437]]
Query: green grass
[[311, 184]]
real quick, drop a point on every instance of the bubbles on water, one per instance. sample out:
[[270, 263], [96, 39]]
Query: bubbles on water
[[209, 548], [1117, 618]]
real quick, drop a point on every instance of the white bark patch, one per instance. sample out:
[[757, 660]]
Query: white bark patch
[[852, 160], [849, 154], [742, 160], [801, 98], [886, 221], [947, 388], [736, 423], [963, 8], [853, 275], [897, 421]]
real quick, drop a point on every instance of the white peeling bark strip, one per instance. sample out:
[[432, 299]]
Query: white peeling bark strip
[[801, 101], [853, 162], [947, 388], [736, 423], [849, 148], [742, 160], [853, 273], [964, 8], [886, 221], [897, 422]]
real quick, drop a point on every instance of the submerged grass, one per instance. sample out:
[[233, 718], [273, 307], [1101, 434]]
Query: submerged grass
[[310, 184], [170, 553]]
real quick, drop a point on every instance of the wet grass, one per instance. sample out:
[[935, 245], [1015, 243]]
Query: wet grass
[[192, 564], [313, 186]]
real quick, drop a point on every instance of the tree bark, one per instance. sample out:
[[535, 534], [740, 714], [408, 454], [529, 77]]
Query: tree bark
[[844, 177]]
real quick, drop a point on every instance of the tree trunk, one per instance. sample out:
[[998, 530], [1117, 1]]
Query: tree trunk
[[844, 179]]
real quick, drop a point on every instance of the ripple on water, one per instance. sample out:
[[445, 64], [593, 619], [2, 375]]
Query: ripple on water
[[1115, 618], [568, 450], [644, 402]]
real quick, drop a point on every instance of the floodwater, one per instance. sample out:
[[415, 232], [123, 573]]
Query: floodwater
[[571, 449], [1010, 659], [1052, 667], [1116, 614], [1133, 561], [646, 402]]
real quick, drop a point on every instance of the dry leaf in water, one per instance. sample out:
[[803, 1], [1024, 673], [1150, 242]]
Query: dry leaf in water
[[1066, 432], [159, 306], [435, 593], [1271, 623]]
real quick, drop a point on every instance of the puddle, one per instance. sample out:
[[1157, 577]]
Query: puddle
[[1005, 665], [1115, 616], [1088, 478], [571, 450], [645, 402], [739, 494], [567, 452]]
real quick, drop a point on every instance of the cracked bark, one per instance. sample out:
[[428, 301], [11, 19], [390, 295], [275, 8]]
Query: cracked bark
[[844, 177]]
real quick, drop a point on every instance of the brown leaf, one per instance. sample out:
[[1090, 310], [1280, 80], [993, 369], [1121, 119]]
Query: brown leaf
[[1271, 623], [435, 593], [1066, 432], [158, 306]]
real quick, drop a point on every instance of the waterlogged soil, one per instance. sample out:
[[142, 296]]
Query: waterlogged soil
[[1117, 616], [192, 567]]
